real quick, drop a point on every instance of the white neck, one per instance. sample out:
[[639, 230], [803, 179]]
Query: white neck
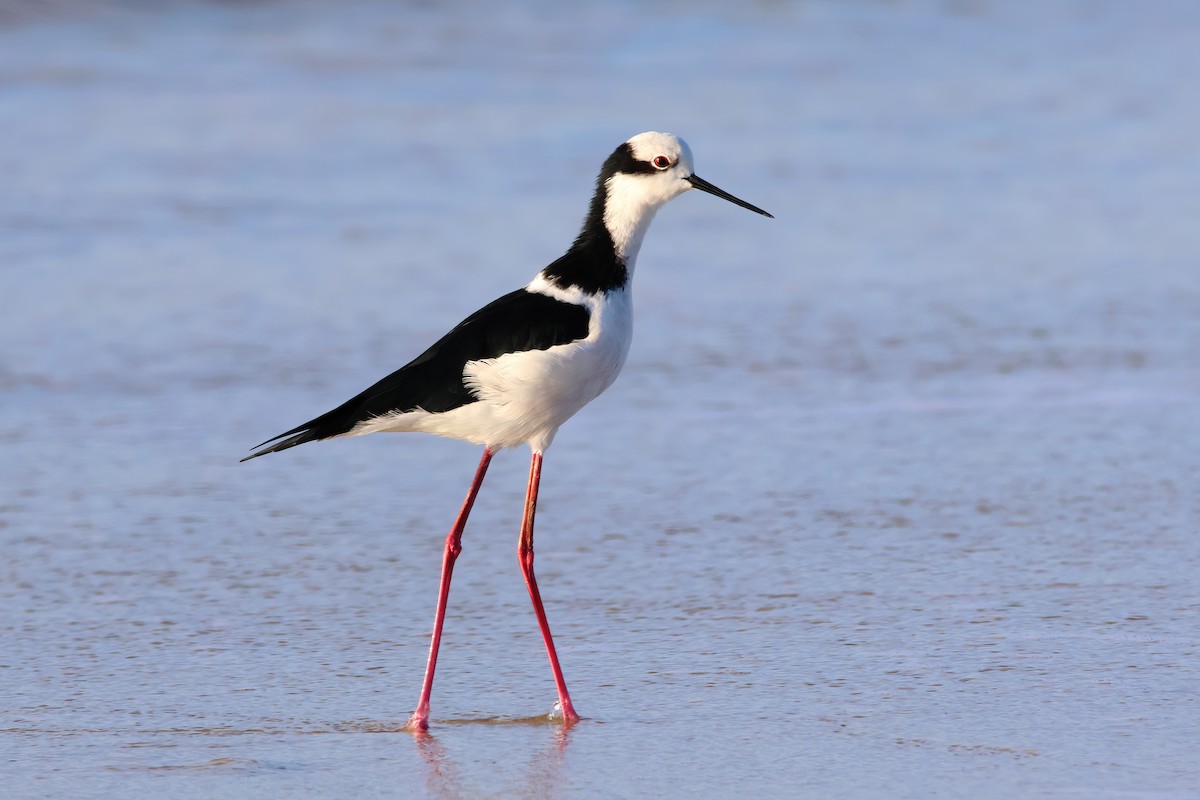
[[628, 212]]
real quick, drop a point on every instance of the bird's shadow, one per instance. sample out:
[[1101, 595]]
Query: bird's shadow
[[543, 775]]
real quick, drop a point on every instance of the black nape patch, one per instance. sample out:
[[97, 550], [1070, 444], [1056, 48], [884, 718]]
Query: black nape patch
[[433, 381], [592, 263]]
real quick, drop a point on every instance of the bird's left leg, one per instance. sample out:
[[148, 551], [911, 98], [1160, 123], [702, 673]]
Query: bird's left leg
[[525, 557]]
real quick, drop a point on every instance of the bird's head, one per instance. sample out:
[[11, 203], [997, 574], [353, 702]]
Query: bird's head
[[639, 177], [653, 168]]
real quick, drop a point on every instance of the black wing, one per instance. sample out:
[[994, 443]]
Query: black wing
[[433, 381]]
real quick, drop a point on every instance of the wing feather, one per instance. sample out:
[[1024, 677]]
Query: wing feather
[[433, 381]]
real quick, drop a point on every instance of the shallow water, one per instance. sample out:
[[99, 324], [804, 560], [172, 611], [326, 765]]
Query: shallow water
[[897, 496]]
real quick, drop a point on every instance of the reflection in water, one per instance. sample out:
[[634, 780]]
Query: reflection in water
[[441, 773], [543, 776]]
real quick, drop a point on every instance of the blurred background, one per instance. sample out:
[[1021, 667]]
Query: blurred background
[[896, 496]]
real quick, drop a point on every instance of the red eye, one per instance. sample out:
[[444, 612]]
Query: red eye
[[661, 162]]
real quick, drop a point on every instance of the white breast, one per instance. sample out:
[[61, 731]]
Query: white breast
[[527, 396]]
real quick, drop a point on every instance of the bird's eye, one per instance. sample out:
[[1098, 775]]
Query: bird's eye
[[661, 162]]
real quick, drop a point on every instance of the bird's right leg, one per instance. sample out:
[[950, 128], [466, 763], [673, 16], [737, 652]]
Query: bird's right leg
[[525, 557], [420, 718]]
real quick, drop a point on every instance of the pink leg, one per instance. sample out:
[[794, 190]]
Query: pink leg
[[420, 718], [525, 556]]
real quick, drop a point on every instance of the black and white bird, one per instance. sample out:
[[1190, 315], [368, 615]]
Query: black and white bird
[[514, 371]]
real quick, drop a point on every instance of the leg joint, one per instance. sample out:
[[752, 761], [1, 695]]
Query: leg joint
[[525, 557]]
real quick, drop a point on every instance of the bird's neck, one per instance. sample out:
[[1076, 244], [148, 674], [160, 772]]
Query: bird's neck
[[605, 252], [627, 214]]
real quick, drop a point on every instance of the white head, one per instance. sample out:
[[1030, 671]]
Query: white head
[[661, 165], [640, 177]]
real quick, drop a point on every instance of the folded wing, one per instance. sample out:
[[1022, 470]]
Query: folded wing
[[433, 381]]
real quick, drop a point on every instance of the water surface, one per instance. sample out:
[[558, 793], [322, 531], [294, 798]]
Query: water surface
[[897, 496]]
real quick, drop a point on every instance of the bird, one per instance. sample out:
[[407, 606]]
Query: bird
[[514, 371]]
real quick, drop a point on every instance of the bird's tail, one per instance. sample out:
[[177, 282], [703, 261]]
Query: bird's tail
[[338, 422], [330, 424], [294, 437]]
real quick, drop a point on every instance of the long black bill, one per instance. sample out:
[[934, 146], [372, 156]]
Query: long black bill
[[705, 186]]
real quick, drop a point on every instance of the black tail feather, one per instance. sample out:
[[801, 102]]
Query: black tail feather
[[294, 437], [330, 424]]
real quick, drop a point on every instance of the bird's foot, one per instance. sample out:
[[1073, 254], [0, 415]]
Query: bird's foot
[[418, 723], [564, 712]]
